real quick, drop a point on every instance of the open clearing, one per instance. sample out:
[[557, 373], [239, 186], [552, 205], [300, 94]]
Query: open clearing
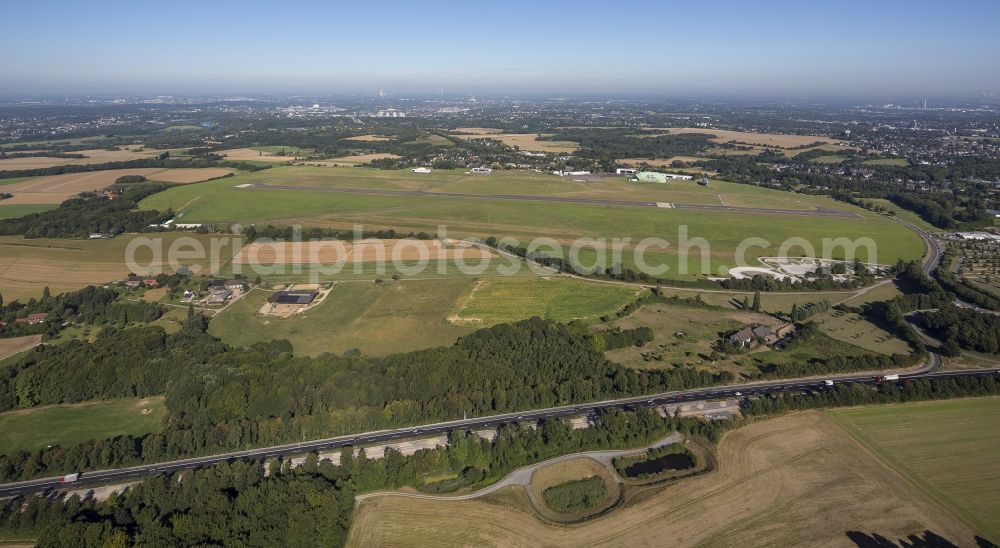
[[57, 188], [949, 449], [238, 154], [15, 345], [762, 139], [69, 425], [369, 138], [12, 211], [353, 160], [97, 156], [527, 141], [505, 299], [478, 130], [27, 266], [221, 201], [796, 480], [378, 320]]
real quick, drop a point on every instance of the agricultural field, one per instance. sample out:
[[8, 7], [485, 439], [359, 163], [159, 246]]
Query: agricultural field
[[899, 162], [27, 266], [15, 345], [761, 139], [190, 174], [369, 138], [13, 211], [68, 425], [96, 156], [377, 320], [526, 141], [503, 299], [57, 188], [790, 481], [830, 159], [350, 161], [565, 222], [256, 154], [478, 130], [947, 449]]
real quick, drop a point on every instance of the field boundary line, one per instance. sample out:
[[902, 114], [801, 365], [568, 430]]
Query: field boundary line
[[904, 472]]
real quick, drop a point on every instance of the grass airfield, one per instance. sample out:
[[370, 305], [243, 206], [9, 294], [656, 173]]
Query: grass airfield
[[564, 223]]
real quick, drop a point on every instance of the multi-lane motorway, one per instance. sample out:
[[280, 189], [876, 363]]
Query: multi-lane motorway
[[929, 370]]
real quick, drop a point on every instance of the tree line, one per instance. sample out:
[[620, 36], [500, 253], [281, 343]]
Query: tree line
[[312, 504]]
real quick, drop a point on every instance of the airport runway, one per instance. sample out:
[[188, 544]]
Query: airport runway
[[819, 212]]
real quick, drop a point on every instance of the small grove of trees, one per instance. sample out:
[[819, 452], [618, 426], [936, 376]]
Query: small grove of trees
[[800, 314]]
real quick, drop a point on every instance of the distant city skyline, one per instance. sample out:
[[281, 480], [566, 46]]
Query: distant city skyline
[[847, 49]]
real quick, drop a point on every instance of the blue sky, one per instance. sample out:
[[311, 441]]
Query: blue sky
[[844, 48]]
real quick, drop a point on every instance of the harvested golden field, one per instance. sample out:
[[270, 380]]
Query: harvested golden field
[[478, 130], [190, 174], [330, 252], [368, 138], [28, 266], [797, 480], [762, 139], [57, 188], [237, 154], [16, 345], [354, 160], [526, 141], [96, 156]]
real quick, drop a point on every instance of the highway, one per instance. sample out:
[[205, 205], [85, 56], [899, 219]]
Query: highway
[[929, 370]]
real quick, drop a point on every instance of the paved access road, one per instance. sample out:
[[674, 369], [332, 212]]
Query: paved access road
[[818, 212], [929, 370]]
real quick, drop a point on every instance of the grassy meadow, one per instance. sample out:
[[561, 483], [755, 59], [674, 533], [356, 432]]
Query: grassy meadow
[[71, 424]]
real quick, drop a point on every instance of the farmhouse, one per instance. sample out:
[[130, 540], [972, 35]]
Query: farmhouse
[[748, 336], [301, 297], [136, 281], [32, 319], [219, 296], [231, 283]]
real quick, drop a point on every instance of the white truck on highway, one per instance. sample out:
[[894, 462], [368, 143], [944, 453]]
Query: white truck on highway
[[70, 478]]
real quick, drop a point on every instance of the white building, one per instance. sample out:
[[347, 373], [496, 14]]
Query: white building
[[482, 170], [678, 177], [420, 170], [625, 171]]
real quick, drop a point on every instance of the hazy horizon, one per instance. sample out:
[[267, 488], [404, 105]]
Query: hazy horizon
[[852, 49]]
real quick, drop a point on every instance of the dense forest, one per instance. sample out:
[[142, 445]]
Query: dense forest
[[92, 305], [964, 328], [89, 213]]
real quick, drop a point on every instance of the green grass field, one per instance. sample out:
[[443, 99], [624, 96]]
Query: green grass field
[[68, 425], [377, 320], [899, 162], [497, 300], [949, 449], [564, 222], [20, 210], [830, 159]]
